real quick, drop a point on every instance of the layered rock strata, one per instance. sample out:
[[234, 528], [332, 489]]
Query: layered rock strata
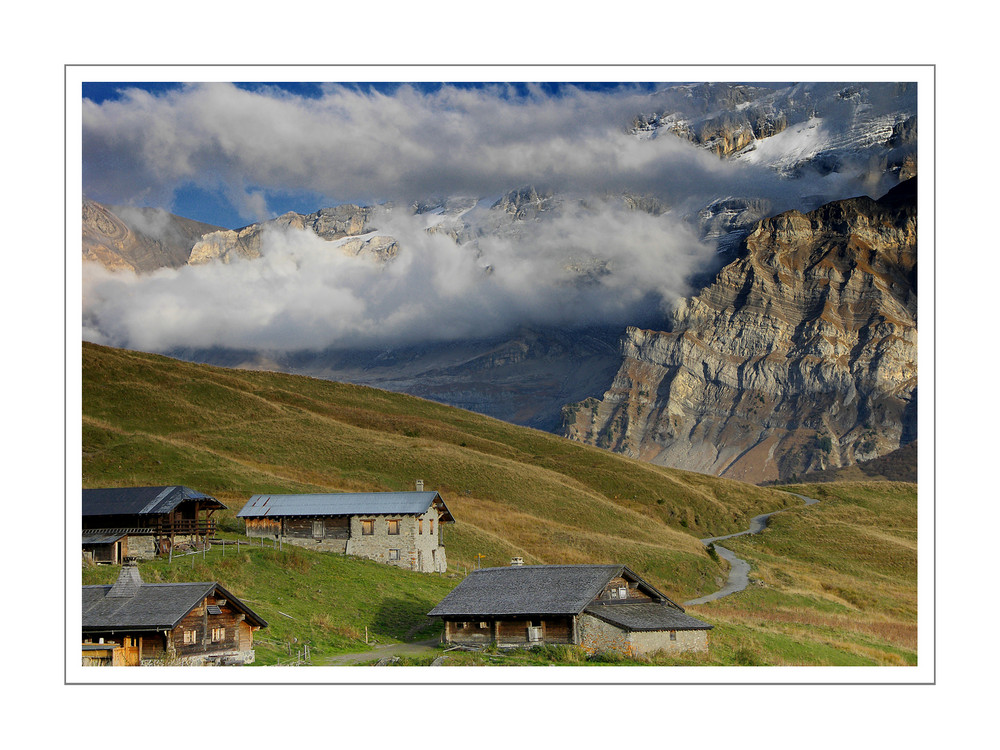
[[801, 355], [138, 239]]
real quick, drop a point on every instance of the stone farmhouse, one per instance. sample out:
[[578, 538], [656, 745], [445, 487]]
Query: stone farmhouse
[[143, 522], [131, 623], [397, 528], [598, 607]]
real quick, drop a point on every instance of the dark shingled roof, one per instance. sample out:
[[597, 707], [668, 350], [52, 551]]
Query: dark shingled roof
[[113, 501], [155, 606], [646, 616], [131, 604], [344, 504], [530, 589]]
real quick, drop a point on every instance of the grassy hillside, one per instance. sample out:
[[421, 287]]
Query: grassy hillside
[[833, 583], [151, 420]]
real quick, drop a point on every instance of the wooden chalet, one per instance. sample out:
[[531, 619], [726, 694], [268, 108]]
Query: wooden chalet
[[131, 623], [404, 529], [143, 522], [598, 607]]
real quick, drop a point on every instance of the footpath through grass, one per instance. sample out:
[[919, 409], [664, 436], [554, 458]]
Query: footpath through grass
[[831, 583]]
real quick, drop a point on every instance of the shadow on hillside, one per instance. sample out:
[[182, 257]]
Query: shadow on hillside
[[406, 619]]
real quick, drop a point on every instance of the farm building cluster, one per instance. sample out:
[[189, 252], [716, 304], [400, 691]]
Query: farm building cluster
[[597, 607]]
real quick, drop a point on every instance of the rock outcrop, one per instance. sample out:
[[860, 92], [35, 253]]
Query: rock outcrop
[[801, 355], [330, 224], [138, 239]]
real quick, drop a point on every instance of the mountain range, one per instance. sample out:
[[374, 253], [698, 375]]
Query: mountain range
[[788, 346]]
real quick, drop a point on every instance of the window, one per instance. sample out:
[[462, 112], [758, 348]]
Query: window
[[484, 625], [367, 528], [623, 592], [420, 526], [432, 525], [673, 635], [319, 529], [394, 527], [394, 554], [613, 593], [218, 634], [190, 636]]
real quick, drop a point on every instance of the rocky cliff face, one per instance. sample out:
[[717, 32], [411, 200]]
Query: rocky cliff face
[[138, 239], [801, 355], [822, 127], [346, 222]]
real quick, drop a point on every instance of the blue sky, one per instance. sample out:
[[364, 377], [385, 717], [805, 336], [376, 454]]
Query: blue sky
[[111, 90]]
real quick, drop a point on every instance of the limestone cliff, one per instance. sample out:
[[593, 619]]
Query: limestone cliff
[[331, 224], [801, 355], [138, 239]]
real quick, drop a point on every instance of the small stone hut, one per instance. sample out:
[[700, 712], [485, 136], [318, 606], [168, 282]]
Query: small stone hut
[[598, 607]]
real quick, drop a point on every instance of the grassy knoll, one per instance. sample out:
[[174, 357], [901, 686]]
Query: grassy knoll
[[151, 420], [833, 583]]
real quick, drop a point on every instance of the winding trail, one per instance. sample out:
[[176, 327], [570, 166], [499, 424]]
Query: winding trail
[[739, 569]]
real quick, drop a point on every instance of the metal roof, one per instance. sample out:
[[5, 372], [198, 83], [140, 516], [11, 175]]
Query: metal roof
[[344, 504], [530, 590], [102, 538], [113, 501]]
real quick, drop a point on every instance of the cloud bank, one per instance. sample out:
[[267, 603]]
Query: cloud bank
[[360, 146], [601, 265], [598, 265]]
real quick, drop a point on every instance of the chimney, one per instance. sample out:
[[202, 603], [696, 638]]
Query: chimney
[[516, 562], [420, 485], [129, 581]]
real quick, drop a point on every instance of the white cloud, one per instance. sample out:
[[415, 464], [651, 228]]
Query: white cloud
[[600, 265], [351, 145]]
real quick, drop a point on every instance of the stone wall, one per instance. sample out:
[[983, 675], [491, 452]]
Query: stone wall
[[651, 641], [320, 545], [597, 636], [142, 546], [413, 548]]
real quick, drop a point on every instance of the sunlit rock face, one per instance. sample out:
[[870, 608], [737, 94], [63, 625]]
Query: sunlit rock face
[[138, 239], [801, 355]]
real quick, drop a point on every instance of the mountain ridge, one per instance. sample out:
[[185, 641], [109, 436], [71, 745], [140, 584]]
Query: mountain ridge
[[800, 355]]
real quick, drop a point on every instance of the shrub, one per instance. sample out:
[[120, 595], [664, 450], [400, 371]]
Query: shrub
[[607, 657]]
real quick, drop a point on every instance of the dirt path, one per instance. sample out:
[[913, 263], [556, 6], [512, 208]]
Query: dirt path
[[416, 648], [739, 569]]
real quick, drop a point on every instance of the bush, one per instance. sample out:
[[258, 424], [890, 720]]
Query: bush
[[560, 653], [607, 657]]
